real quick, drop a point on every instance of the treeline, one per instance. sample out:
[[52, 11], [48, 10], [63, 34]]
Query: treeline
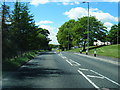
[[19, 32], [75, 33]]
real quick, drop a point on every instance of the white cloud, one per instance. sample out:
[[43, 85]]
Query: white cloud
[[53, 33], [74, 13], [67, 2], [53, 37], [48, 27], [53, 30], [79, 12], [37, 2], [108, 25], [70, 3], [44, 22], [105, 17], [111, 0]]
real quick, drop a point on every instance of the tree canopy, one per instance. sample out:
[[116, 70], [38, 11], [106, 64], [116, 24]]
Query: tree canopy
[[113, 35], [20, 34], [74, 32]]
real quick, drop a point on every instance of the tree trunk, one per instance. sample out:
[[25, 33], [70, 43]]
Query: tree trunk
[[84, 45]]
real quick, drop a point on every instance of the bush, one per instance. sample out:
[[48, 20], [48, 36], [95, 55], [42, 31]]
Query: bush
[[16, 62]]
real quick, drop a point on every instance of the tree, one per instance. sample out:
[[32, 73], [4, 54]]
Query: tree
[[22, 26], [97, 30], [64, 35], [6, 41], [113, 34], [76, 32], [21, 34]]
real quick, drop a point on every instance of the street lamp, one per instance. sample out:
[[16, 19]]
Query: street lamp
[[88, 30]]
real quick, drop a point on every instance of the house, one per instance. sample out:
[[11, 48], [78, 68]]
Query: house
[[98, 43]]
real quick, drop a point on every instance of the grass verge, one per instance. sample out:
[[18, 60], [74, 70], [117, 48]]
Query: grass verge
[[14, 63], [110, 51]]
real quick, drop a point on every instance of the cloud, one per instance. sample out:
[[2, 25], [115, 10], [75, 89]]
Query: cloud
[[108, 25], [67, 2], [70, 3], [53, 30], [53, 37], [37, 2], [53, 33], [44, 22], [79, 12], [48, 27], [74, 13]]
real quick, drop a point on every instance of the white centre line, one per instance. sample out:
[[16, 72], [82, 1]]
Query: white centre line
[[88, 79]]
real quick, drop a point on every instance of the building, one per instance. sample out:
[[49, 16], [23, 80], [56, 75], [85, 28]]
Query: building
[[98, 43]]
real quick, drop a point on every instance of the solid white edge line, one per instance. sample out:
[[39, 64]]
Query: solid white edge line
[[88, 79], [106, 78]]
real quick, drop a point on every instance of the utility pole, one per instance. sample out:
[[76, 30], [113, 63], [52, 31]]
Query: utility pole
[[88, 31]]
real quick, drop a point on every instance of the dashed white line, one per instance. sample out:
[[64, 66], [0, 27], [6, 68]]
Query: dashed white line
[[95, 76], [88, 79], [83, 69], [75, 63], [69, 62]]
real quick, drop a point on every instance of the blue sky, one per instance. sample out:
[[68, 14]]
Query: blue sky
[[51, 14]]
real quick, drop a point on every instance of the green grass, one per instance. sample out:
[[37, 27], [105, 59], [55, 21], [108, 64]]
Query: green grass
[[78, 49], [14, 63], [110, 51]]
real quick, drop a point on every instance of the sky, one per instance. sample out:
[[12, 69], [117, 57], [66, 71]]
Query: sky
[[51, 14]]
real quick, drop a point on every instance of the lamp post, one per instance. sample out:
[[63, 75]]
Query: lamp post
[[88, 30]]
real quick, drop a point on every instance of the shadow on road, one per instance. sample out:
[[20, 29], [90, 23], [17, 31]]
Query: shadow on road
[[29, 73], [34, 70], [46, 53]]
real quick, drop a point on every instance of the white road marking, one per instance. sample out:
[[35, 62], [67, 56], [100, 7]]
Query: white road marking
[[64, 57], [95, 76], [105, 77], [88, 79], [69, 63], [75, 63], [83, 69]]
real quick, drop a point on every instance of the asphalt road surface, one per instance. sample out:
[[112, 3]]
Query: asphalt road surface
[[64, 70]]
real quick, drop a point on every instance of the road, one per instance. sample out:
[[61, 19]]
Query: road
[[63, 70]]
